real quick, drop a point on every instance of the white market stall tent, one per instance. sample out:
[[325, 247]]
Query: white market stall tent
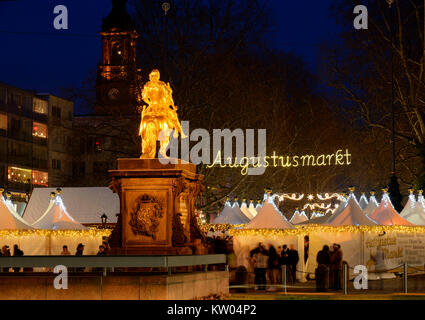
[[33, 241], [351, 215], [56, 217], [298, 217], [245, 210], [85, 204], [372, 205], [386, 215], [413, 211], [251, 209], [363, 202], [257, 231], [230, 215], [9, 218]]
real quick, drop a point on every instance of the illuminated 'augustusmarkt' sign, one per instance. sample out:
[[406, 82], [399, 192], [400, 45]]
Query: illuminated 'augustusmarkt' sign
[[338, 158]]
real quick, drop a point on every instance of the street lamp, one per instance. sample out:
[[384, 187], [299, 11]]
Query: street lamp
[[104, 218], [393, 187]]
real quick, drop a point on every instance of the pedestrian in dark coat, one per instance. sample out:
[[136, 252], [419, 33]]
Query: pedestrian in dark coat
[[336, 266], [293, 261], [17, 253], [322, 271]]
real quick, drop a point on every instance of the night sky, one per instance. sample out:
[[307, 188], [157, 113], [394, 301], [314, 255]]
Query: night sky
[[34, 55]]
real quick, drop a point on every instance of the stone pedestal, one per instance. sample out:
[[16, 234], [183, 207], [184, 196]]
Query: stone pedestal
[[157, 207]]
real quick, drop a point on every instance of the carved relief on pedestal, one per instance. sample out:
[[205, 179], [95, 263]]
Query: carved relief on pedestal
[[179, 235], [115, 186], [145, 216]]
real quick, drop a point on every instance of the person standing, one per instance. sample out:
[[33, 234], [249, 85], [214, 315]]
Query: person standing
[[336, 266], [260, 267], [101, 251], [5, 253], [284, 261], [17, 253], [79, 252], [273, 266], [322, 271], [65, 251], [293, 261]]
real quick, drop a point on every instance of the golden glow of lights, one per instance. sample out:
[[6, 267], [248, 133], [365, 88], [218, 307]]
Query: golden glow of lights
[[159, 117], [303, 230], [95, 233]]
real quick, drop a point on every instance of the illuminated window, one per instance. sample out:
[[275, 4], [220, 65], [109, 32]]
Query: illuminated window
[[40, 178], [40, 106], [39, 130], [3, 121], [20, 175]]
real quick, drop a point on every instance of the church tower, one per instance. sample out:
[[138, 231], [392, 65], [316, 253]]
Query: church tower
[[117, 74]]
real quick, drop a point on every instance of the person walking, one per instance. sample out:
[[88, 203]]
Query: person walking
[[260, 267], [17, 253], [322, 271], [336, 266], [293, 261]]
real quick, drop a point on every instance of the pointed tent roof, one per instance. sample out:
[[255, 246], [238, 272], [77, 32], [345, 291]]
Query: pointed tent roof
[[341, 205], [56, 217], [9, 218], [413, 211], [245, 210], [317, 220], [372, 205], [251, 209], [298, 217], [351, 215], [230, 216], [258, 206], [386, 215], [363, 201], [269, 217]]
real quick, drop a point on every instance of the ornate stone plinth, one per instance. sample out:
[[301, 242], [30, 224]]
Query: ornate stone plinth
[[157, 207]]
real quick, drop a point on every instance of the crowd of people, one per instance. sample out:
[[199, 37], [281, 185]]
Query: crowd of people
[[268, 263], [329, 269], [5, 252]]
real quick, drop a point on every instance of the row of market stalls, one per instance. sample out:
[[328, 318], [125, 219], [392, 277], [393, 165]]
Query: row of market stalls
[[47, 223], [360, 227]]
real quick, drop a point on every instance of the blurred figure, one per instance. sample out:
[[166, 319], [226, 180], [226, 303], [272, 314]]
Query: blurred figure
[[322, 271], [5, 253], [273, 267], [260, 259], [65, 251], [336, 266], [101, 251], [79, 252], [17, 253], [293, 261]]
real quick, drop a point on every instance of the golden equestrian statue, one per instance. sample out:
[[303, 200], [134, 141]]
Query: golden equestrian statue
[[159, 117]]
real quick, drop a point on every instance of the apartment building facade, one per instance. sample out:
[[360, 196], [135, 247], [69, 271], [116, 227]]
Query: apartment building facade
[[35, 134]]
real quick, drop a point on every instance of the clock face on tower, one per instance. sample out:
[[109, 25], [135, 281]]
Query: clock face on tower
[[113, 94]]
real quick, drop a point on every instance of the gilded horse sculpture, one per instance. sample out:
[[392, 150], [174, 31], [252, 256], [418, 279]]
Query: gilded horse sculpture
[[159, 117]]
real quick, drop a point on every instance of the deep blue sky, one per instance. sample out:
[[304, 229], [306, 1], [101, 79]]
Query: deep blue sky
[[33, 55]]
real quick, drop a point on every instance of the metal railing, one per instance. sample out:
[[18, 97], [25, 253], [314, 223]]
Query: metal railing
[[110, 261]]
